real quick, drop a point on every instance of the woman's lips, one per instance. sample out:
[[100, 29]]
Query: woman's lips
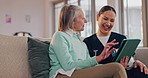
[[106, 27]]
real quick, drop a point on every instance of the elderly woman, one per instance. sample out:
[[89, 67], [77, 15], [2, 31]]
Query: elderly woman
[[69, 55]]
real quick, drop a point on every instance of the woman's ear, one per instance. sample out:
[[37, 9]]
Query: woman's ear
[[97, 17], [73, 24]]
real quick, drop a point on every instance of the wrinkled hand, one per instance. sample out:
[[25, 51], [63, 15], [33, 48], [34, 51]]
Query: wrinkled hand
[[124, 61], [107, 50], [142, 66]]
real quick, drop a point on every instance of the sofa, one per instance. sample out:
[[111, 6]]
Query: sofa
[[14, 56]]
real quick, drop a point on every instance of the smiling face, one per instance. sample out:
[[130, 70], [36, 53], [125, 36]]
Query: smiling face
[[106, 22], [78, 24]]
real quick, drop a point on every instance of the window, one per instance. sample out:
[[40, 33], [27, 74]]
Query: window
[[73, 2], [133, 19], [128, 19], [86, 6]]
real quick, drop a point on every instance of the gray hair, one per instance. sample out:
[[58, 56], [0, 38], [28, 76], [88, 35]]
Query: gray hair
[[67, 16]]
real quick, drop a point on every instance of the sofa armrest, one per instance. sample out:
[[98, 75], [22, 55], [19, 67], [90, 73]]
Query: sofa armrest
[[14, 57], [142, 55]]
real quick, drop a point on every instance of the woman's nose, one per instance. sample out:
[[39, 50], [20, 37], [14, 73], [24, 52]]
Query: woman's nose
[[108, 23], [85, 21]]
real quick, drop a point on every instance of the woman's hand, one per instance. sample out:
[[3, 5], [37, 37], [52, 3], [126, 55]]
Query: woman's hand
[[142, 66], [124, 61], [107, 51]]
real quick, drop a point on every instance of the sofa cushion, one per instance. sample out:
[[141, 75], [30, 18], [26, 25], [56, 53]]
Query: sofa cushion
[[38, 58]]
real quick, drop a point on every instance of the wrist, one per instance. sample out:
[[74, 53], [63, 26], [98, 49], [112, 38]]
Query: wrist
[[99, 58]]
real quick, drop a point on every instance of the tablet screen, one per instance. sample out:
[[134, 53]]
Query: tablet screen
[[127, 48]]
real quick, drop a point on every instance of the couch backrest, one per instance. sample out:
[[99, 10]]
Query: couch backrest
[[14, 57], [142, 55]]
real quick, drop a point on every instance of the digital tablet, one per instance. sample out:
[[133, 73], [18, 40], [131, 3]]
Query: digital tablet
[[127, 48]]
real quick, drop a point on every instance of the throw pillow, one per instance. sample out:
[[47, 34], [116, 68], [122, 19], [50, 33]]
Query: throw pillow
[[38, 58]]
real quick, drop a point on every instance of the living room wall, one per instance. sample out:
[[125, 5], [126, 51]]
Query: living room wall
[[23, 15]]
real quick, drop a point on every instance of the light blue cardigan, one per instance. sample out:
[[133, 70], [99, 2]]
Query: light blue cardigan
[[67, 52]]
